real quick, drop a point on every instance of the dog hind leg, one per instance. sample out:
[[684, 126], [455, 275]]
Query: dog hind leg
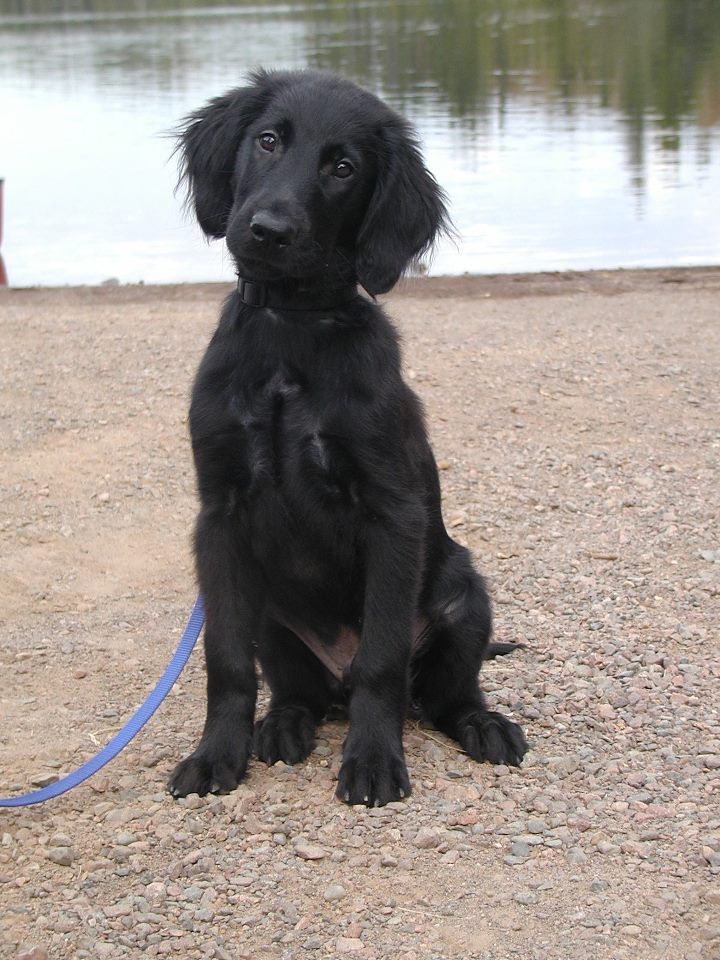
[[445, 680]]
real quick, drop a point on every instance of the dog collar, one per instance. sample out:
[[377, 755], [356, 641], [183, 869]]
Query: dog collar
[[260, 295]]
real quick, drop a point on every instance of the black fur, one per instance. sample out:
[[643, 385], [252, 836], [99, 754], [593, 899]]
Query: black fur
[[320, 499]]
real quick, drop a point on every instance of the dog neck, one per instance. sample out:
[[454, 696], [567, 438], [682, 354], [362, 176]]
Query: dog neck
[[296, 297]]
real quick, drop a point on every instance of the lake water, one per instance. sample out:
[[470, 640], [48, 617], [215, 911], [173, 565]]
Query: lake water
[[567, 134]]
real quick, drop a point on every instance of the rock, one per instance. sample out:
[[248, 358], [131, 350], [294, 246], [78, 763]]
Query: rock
[[124, 839], [536, 825], [43, 779], [60, 840], [348, 944], [427, 838], [335, 891], [156, 892], [63, 856], [575, 855], [33, 953], [518, 848], [308, 851]]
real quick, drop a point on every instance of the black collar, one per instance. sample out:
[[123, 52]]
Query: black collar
[[256, 294]]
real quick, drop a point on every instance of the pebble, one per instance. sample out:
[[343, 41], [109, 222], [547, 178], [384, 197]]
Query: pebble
[[519, 848], [335, 891], [63, 856], [309, 851], [427, 838], [348, 944], [43, 779], [575, 855], [536, 825]]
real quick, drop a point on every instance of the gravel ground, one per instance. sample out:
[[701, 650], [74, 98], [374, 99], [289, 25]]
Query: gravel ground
[[576, 422]]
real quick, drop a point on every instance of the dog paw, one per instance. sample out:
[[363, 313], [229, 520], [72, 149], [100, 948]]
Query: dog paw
[[287, 733], [206, 772], [487, 735], [372, 776]]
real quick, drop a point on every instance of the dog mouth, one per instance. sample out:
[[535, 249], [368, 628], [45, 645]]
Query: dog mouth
[[304, 260], [277, 268]]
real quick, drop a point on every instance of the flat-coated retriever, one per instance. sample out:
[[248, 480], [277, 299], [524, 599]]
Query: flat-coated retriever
[[320, 543]]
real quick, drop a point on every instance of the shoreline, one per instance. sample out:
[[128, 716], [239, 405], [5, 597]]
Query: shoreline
[[505, 285]]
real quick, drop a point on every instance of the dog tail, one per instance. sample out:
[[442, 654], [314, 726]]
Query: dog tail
[[501, 649]]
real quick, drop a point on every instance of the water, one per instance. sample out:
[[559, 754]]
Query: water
[[567, 134]]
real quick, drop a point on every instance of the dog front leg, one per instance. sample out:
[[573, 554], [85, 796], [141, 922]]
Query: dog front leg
[[373, 770], [220, 760]]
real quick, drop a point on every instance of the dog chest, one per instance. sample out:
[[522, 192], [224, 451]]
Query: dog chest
[[285, 444]]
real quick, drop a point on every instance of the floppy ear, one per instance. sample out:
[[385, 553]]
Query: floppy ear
[[405, 215], [208, 142]]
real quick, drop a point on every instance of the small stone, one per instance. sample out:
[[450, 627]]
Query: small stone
[[335, 892], [60, 840], [575, 855], [631, 930], [33, 953], [604, 846], [308, 851], [43, 779], [525, 897], [387, 860], [712, 556], [536, 825], [519, 848], [63, 856], [156, 892], [426, 838], [711, 856], [348, 944]]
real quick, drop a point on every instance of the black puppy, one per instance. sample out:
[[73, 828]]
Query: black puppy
[[320, 544]]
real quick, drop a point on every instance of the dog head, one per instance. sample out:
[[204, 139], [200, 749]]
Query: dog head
[[308, 176]]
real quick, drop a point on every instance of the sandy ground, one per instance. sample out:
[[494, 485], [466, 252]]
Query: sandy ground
[[576, 420]]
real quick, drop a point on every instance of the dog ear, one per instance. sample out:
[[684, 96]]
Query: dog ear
[[208, 140], [405, 215]]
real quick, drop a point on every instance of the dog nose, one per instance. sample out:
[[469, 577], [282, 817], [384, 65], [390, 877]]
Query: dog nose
[[270, 229]]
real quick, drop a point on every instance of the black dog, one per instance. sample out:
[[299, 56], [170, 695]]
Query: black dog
[[320, 543]]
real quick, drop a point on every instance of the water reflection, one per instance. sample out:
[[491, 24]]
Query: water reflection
[[568, 133]]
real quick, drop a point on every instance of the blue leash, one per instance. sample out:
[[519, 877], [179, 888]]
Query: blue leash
[[134, 724]]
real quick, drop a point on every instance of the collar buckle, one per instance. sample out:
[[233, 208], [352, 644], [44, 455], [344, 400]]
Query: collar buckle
[[252, 293]]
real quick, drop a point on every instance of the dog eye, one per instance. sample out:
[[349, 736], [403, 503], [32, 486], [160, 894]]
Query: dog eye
[[343, 169], [268, 141]]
